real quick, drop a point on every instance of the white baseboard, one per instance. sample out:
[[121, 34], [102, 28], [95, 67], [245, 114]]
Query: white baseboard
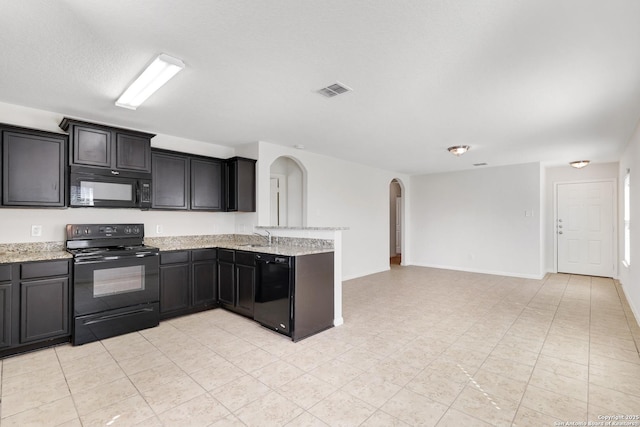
[[492, 272], [355, 276], [634, 309]]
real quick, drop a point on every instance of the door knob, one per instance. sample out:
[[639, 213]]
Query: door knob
[[559, 232]]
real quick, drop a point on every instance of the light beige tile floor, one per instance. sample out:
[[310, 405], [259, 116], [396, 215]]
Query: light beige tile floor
[[419, 347]]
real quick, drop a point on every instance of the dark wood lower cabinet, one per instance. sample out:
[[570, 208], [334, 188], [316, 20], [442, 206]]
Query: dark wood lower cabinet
[[35, 299], [236, 280], [174, 288], [245, 288], [5, 316], [188, 282], [204, 286], [44, 309], [226, 282]]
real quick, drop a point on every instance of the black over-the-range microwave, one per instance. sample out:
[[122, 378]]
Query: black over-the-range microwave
[[105, 188]]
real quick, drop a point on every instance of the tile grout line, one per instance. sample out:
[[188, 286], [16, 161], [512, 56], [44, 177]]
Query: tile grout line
[[566, 285]]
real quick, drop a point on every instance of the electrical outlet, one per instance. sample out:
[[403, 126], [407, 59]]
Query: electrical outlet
[[159, 229], [36, 230]]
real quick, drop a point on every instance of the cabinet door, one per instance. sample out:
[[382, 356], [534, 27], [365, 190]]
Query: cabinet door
[[170, 181], [44, 309], [204, 285], [174, 287], [33, 170], [206, 185], [5, 315], [245, 281], [133, 152], [241, 184], [231, 168], [91, 147], [226, 282]]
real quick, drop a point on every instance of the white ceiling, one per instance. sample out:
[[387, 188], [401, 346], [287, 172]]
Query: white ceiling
[[520, 81]]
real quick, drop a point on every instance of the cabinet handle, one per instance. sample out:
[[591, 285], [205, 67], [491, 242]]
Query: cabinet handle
[[115, 173]]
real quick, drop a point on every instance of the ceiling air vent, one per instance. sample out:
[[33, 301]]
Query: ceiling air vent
[[480, 164], [334, 89]]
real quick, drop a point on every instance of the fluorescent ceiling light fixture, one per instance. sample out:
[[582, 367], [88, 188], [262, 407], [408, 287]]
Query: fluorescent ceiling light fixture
[[152, 78], [579, 164], [458, 150]]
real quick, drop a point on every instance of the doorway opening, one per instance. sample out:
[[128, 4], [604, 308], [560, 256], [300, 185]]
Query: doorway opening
[[395, 222], [287, 193]]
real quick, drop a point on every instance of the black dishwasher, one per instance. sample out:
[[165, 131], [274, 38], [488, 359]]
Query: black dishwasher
[[274, 292]]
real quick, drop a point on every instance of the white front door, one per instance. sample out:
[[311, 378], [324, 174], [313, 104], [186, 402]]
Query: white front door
[[585, 228]]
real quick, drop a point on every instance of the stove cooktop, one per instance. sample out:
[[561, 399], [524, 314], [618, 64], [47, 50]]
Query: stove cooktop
[[111, 250]]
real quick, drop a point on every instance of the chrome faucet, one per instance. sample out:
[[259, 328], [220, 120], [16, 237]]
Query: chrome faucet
[[268, 236]]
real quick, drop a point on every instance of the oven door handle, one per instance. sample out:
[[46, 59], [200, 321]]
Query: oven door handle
[[101, 259], [96, 260], [146, 254]]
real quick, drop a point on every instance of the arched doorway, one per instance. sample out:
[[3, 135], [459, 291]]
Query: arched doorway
[[287, 192], [395, 222]]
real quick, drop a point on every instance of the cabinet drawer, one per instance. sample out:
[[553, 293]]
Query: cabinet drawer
[[174, 257], [5, 273], [226, 255], [34, 270], [246, 258], [203, 254]]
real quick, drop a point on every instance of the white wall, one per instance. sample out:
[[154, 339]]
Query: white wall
[[15, 224], [475, 220], [553, 175], [630, 276], [339, 194]]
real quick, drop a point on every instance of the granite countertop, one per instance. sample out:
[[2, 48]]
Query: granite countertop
[[288, 246], [24, 252], [288, 227], [279, 246]]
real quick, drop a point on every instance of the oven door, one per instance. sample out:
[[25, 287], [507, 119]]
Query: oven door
[[89, 190], [115, 282]]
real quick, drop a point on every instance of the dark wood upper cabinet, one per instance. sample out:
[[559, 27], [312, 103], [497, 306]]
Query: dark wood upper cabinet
[[187, 182], [102, 146], [241, 184], [133, 152], [91, 147], [33, 168], [170, 181], [206, 184]]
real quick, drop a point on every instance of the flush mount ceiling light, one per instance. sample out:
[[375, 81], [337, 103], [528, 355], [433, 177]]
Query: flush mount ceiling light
[[458, 150], [579, 164], [160, 71]]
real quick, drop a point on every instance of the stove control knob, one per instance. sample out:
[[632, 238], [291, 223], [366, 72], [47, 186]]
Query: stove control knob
[[127, 230], [136, 230], [77, 231], [87, 231]]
